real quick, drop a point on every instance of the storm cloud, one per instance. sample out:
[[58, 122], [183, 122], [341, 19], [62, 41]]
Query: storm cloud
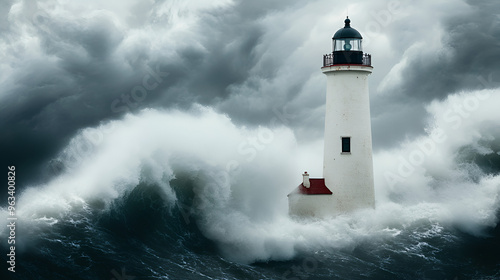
[[457, 50], [68, 66]]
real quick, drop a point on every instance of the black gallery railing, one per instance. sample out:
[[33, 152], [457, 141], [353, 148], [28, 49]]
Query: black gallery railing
[[345, 58]]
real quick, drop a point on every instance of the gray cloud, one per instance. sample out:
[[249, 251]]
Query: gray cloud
[[89, 68], [66, 69], [471, 49], [467, 60]]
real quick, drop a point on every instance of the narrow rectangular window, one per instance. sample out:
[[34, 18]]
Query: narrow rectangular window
[[346, 144]]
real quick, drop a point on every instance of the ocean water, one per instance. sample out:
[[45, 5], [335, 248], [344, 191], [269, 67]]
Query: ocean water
[[190, 195]]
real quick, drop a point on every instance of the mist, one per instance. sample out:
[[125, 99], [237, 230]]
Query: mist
[[219, 108], [68, 66], [241, 177]]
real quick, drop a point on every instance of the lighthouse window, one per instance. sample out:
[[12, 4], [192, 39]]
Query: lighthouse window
[[346, 144], [347, 45]]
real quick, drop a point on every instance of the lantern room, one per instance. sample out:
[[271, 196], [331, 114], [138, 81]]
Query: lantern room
[[347, 46]]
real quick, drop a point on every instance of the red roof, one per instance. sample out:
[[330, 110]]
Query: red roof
[[317, 187]]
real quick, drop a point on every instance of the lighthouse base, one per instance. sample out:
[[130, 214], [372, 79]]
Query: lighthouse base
[[319, 205], [313, 198]]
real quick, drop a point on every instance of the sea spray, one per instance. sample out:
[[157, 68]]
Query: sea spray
[[170, 176]]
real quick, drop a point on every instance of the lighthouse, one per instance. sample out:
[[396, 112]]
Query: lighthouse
[[347, 182]]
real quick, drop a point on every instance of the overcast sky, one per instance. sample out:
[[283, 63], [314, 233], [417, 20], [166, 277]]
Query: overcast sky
[[67, 65]]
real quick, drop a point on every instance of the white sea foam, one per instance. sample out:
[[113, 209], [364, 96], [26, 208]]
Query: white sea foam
[[244, 174]]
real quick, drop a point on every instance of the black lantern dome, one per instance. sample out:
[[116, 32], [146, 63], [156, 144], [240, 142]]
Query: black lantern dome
[[347, 45], [347, 32]]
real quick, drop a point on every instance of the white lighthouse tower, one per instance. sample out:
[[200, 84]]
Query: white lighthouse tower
[[347, 165]]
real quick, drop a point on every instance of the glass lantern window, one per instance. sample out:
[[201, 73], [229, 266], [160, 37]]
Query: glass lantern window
[[347, 45]]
